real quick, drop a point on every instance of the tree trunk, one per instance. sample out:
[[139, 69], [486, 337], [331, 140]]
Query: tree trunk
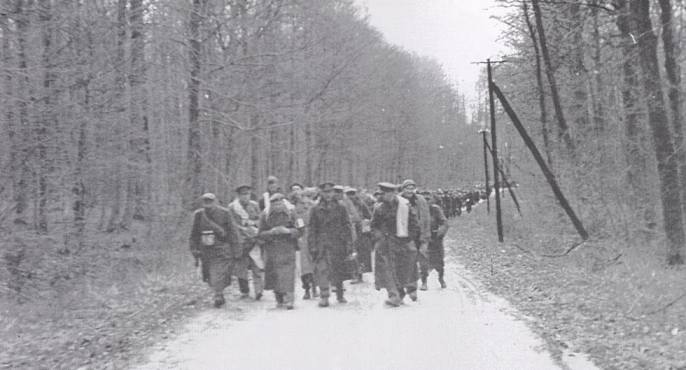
[[21, 150], [554, 92], [254, 153], [598, 104], [636, 161], [579, 104], [664, 149], [541, 91], [139, 140], [46, 116], [193, 176], [671, 49], [118, 203]]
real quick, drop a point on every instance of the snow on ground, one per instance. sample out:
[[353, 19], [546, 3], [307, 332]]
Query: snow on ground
[[460, 327]]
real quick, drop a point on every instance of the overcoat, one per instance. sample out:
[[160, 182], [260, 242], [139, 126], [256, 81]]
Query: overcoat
[[279, 250], [329, 239]]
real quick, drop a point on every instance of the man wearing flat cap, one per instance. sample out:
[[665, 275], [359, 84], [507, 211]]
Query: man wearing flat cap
[[246, 214], [421, 241], [395, 226], [330, 243], [215, 240]]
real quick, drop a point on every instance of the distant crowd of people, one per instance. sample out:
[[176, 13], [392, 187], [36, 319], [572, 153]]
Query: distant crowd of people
[[341, 232]]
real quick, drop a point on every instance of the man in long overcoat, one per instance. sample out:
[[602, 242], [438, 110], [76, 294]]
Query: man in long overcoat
[[395, 227], [329, 239], [278, 229], [215, 240]]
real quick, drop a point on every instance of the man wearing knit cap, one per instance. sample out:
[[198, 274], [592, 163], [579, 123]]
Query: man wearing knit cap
[[395, 226], [330, 243], [215, 240]]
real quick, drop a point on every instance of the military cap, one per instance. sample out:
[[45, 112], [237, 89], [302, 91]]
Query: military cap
[[339, 188], [242, 188], [276, 197], [272, 180], [387, 186], [349, 189], [326, 184], [408, 182], [208, 196]]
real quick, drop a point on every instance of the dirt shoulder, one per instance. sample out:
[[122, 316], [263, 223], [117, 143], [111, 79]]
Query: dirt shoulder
[[623, 308], [99, 307]]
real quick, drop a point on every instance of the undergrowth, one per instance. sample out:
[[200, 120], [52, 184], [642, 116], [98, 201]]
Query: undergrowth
[[612, 297], [93, 300]]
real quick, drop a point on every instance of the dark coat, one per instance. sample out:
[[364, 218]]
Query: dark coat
[[330, 228], [395, 258], [330, 241], [226, 233]]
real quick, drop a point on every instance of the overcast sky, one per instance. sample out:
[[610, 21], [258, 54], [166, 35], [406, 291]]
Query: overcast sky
[[454, 32]]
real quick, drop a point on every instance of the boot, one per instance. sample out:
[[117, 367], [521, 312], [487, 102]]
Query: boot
[[339, 296], [279, 299], [393, 300], [423, 287], [219, 301], [413, 295], [307, 294], [324, 300], [440, 279], [315, 294], [288, 301]]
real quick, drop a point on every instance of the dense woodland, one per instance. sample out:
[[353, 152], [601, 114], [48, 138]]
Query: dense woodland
[[599, 84], [117, 110]]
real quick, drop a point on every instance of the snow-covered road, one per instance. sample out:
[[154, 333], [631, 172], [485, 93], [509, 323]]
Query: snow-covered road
[[460, 327]]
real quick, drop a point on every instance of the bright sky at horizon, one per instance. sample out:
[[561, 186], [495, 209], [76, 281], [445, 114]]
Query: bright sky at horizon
[[454, 32]]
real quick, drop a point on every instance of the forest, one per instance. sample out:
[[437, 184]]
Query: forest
[[118, 114], [121, 110], [599, 86]]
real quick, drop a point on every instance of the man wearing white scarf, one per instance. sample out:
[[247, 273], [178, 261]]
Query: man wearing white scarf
[[246, 213], [395, 226]]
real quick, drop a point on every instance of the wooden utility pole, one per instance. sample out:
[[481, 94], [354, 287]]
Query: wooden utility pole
[[539, 158], [483, 133], [494, 146]]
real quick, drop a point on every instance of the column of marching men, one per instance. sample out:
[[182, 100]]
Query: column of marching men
[[335, 229]]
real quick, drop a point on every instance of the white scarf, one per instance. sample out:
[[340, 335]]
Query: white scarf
[[237, 207], [402, 217]]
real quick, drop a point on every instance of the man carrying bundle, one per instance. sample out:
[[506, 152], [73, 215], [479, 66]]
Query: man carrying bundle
[[279, 229], [215, 241], [395, 227]]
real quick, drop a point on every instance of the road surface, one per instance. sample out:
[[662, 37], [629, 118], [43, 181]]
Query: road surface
[[461, 327]]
